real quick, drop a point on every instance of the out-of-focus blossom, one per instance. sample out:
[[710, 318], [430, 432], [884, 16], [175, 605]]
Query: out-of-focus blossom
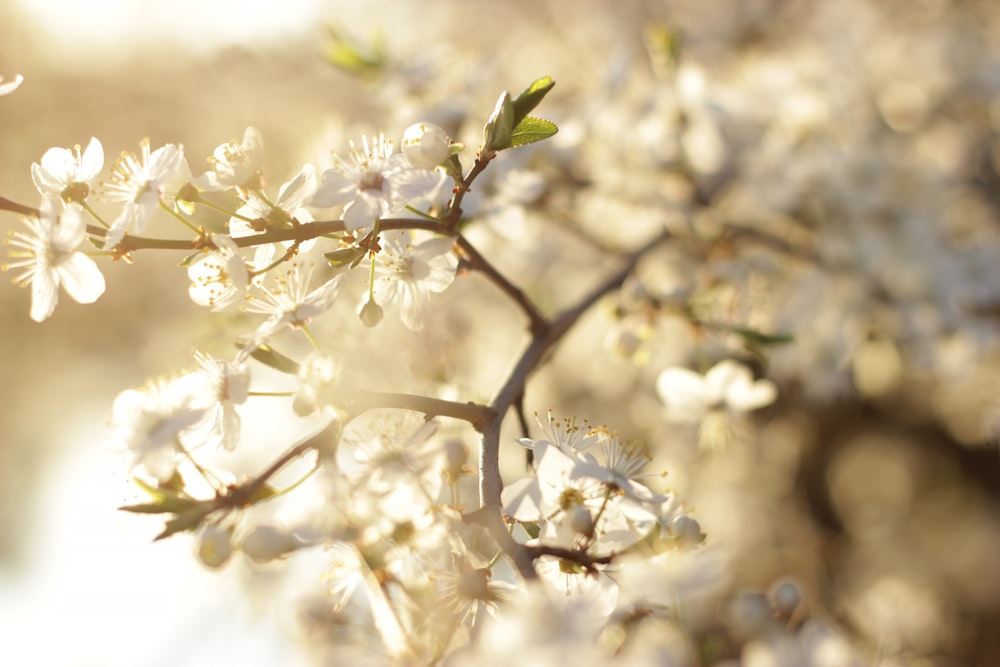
[[728, 385], [215, 546], [265, 543], [319, 384], [10, 87], [152, 422], [227, 385]]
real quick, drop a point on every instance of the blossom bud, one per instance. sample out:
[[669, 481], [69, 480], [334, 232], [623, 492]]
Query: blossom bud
[[750, 613], [265, 543], [456, 453], [500, 127], [371, 314], [786, 596], [215, 546], [425, 145], [686, 531]]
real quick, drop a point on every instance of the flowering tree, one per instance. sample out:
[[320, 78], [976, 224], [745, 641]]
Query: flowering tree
[[464, 522]]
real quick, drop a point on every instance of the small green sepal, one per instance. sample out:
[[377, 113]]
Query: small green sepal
[[268, 356], [345, 256]]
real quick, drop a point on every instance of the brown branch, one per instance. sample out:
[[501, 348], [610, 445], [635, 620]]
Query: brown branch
[[477, 262], [14, 207], [479, 416], [489, 464]]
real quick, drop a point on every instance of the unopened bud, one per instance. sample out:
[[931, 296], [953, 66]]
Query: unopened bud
[[500, 127], [686, 531], [786, 596], [215, 546], [750, 613], [265, 543], [456, 453], [425, 145], [371, 314]]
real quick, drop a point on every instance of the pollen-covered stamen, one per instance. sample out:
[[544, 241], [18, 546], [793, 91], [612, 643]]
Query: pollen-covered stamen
[[627, 459], [570, 497]]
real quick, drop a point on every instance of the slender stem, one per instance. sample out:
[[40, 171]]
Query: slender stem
[[427, 216], [89, 209], [278, 262], [312, 339], [454, 211], [179, 218], [224, 211]]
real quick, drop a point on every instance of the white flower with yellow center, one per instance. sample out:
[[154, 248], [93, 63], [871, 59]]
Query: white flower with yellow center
[[407, 274], [67, 174], [143, 183], [373, 183]]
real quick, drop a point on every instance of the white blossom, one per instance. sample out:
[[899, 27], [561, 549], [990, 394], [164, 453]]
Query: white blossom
[[374, 183], [68, 174], [219, 276], [407, 274], [234, 165], [151, 422], [729, 385], [289, 301], [49, 258], [143, 183]]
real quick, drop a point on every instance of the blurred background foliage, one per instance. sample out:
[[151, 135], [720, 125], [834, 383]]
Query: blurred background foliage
[[837, 164]]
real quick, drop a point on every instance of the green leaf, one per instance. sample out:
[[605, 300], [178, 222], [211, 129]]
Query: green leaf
[[531, 528], [184, 521], [168, 505], [262, 493], [530, 130], [344, 256], [190, 258], [171, 488], [762, 338], [346, 54], [268, 356], [530, 97]]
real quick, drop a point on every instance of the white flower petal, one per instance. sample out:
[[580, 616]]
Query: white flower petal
[[44, 293], [683, 392], [81, 278], [92, 161], [334, 189]]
